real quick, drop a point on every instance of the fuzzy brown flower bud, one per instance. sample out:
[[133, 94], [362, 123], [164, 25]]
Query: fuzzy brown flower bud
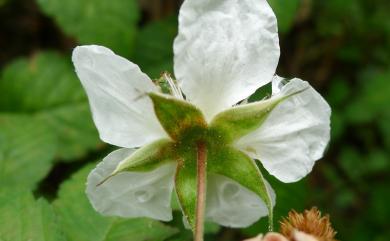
[[307, 226]]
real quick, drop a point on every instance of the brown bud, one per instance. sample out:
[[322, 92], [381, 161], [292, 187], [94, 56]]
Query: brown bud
[[311, 223]]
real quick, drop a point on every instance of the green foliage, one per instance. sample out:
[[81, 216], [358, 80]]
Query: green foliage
[[27, 148], [81, 222], [108, 23], [23, 218], [46, 132], [46, 90]]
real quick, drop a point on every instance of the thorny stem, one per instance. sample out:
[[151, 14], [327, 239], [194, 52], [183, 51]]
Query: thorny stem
[[201, 191]]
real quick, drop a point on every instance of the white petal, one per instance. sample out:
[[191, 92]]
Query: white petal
[[224, 51], [131, 194], [232, 205], [294, 135], [116, 89]]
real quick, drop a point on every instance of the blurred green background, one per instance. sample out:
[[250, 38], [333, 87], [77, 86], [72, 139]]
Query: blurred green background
[[48, 142]]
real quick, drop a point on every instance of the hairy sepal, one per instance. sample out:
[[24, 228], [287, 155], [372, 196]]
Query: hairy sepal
[[240, 120], [147, 158], [232, 163], [176, 116], [186, 187]]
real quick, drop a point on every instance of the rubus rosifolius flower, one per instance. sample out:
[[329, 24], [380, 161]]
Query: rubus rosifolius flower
[[200, 138]]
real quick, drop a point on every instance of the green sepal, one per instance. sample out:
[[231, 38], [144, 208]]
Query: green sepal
[[176, 116], [186, 187], [240, 120], [232, 163], [147, 158]]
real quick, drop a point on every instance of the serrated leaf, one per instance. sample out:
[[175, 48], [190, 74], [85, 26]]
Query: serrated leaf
[[108, 23], [23, 218], [177, 116], [80, 222], [46, 89], [232, 163], [27, 148]]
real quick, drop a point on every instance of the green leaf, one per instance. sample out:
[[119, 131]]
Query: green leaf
[[27, 148], [176, 116], [82, 223], [46, 89], [153, 51], [23, 218], [232, 163], [285, 12], [108, 23], [372, 101]]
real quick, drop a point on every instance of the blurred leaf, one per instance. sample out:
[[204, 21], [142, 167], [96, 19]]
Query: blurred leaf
[[23, 219], [339, 92], [82, 223], [285, 12], [153, 49], [338, 125], [357, 165], [2, 2], [378, 161], [384, 126], [27, 148], [372, 100], [46, 89], [108, 23], [211, 228], [378, 207], [351, 162]]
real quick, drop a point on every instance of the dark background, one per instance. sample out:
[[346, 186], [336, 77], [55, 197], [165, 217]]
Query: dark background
[[48, 142]]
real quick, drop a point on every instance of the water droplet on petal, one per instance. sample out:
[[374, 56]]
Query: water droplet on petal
[[230, 190], [143, 196]]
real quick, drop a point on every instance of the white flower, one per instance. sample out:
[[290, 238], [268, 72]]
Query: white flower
[[225, 50]]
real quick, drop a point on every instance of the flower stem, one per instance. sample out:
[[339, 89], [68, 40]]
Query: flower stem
[[201, 191]]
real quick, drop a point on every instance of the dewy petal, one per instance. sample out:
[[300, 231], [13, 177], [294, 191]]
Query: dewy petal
[[224, 51], [232, 205], [294, 135], [116, 88], [131, 194]]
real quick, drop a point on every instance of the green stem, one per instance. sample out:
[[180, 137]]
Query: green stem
[[201, 191]]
